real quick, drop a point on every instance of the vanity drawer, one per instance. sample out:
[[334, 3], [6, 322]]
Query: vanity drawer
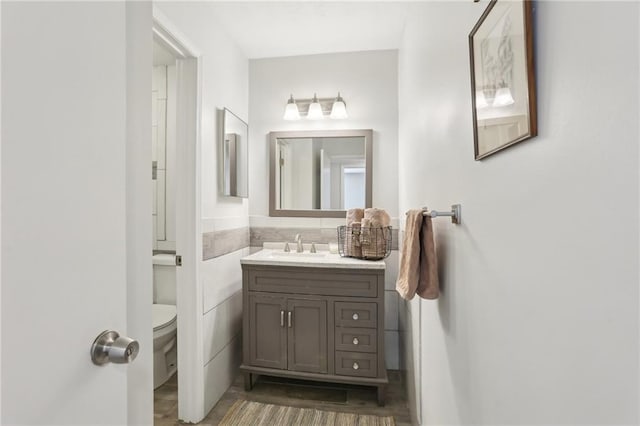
[[316, 281], [356, 364], [356, 339], [356, 314]]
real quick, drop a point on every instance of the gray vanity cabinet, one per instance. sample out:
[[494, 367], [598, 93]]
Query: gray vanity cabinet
[[314, 323]]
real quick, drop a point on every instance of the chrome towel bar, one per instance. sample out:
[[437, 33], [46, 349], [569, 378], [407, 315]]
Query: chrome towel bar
[[455, 213]]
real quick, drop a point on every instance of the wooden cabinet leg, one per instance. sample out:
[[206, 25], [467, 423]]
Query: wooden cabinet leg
[[381, 395], [248, 383]]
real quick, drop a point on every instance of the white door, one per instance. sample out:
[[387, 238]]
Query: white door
[[76, 210], [325, 180]]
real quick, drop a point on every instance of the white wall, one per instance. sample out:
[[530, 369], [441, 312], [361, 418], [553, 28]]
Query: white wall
[[368, 83], [223, 74], [538, 318], [163, 152]]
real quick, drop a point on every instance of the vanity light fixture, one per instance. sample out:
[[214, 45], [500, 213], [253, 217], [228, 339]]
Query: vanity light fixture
[[316, 108], [291, 110], [339, 109], [481, 101], [492, 97], [503, 97]]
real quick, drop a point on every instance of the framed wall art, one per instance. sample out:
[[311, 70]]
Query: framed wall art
[[503, 87]]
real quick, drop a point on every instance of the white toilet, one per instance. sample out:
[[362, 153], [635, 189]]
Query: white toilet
[[165, 348]]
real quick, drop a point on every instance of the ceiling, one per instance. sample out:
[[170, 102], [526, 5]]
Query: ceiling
[[273, 29]]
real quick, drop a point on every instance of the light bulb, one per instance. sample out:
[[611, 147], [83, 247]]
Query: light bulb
[[481, 101], [339, 109], [315, 109], [291, 110], [503, 97]]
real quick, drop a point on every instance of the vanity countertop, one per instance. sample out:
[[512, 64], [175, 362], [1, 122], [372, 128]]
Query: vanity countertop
[[321, 259]]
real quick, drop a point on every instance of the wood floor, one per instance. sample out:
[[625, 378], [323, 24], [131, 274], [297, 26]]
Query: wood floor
[[295, 393]]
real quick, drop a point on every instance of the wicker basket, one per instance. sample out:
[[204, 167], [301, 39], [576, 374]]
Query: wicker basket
[[364, 243]]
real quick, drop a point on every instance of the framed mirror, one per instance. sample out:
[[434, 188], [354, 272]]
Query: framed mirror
[[235, 155], [319, 173]]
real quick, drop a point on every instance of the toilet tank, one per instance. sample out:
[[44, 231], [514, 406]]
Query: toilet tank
[[164, 279]]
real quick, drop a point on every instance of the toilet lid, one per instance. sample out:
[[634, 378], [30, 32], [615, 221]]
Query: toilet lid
[[162, 315]]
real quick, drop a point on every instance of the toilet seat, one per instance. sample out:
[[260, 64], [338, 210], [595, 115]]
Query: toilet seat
[[163, 316]]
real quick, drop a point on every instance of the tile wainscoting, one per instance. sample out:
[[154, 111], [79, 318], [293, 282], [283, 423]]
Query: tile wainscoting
[[260, 235], [221, 275], [219, 243]]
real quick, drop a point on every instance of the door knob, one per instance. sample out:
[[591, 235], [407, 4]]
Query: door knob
[[109, 346]]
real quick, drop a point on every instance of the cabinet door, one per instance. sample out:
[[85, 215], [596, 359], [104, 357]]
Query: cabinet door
[[307, 337], [267, 331]]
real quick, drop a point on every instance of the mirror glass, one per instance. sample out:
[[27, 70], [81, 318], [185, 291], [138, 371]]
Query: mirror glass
[[320, 174], [235, 155]]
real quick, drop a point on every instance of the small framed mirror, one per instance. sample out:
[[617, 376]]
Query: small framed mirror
[[235, 155], [319, 173]]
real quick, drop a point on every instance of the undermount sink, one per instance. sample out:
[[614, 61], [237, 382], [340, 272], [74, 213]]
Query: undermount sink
[[296, 254], [276, 256]]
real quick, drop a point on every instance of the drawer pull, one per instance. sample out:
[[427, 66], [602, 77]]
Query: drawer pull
[[355, 341], [355, 366], [355, 316]]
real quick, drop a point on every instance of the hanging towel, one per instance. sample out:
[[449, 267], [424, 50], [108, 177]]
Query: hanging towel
[[418, 262]]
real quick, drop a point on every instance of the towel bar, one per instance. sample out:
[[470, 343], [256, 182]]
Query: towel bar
[[455, 213]]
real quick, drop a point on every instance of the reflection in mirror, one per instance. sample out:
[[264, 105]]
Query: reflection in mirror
[[320, 173], [235, 155]]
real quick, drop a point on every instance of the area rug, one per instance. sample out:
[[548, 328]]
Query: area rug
[[244, 413]]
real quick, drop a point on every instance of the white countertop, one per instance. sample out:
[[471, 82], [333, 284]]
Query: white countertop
[[322, 259]]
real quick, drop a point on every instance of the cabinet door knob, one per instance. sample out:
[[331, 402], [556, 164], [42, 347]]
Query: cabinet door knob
[[355, 316], [281, 318], [355, 341], [355, 366], [289, 319]]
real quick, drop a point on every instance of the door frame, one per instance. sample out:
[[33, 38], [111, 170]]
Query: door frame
[[188, 226]]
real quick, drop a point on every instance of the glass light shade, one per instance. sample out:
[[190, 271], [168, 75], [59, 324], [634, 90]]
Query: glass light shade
[[315, 110], [291, 110], [503, 97], [481, 101], [339, 109]]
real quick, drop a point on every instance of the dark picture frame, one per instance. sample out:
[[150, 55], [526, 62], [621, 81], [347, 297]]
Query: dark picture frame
[[503, 86]]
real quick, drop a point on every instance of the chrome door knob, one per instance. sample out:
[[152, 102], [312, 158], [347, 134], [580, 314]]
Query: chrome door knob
[[109, 346], [355, 366], [355, 341], [355, 316]]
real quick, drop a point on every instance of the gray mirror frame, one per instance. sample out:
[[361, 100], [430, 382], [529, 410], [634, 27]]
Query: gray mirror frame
[[222, 113], [368, 150]]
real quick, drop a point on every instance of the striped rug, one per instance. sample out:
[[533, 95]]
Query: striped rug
[[244, 413]]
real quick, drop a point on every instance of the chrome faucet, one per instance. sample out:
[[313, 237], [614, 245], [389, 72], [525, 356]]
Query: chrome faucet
[[298, 240]]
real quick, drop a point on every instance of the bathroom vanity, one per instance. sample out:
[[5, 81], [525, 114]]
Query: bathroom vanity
[[314, 316]]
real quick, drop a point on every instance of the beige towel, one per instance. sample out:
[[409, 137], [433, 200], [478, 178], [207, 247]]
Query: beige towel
[[354, 215], [418, 262], [377, 217], [353, 248], [378, 235]]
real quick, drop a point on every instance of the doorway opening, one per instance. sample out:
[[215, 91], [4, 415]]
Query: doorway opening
[[175, 184]]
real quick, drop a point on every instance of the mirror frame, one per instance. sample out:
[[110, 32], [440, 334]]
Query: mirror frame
[[367, 134], [233, 171]]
